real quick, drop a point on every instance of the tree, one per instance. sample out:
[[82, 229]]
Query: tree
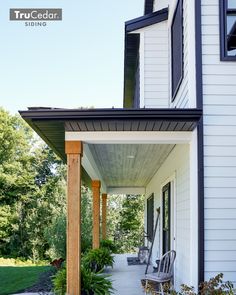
[[32, 189], [125, 221]]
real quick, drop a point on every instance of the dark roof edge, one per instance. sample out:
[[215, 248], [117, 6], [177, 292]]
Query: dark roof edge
[[106, 114], [38, 131], [146, 20]]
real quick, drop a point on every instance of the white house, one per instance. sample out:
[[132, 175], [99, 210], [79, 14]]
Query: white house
[[174, 140]]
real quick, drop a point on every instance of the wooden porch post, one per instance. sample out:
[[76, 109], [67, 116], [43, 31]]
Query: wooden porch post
[[74, 152], [96, 184], [104, 216]]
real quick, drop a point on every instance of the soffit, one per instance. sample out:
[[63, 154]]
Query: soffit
[[129, 165]]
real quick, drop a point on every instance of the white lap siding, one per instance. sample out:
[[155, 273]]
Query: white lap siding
[[155, 61], [219, 106], [176, 164], [154, 67], [160, 4]]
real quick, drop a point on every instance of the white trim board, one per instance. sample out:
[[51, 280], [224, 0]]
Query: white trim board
[[130, 137], [91, 168], [126, 190]]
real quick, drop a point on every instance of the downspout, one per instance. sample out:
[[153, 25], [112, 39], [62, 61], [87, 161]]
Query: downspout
[[199, 95]]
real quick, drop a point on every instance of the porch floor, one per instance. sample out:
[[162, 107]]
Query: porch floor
[[126, 278]]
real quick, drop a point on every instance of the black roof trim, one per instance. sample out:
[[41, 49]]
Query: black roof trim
[[107, 114], [148, 6], [146, 20]]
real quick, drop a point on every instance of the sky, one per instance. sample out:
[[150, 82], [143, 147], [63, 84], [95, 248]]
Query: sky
[[78, 62]]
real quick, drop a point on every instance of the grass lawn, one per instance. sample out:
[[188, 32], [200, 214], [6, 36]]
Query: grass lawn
[[14, 279]]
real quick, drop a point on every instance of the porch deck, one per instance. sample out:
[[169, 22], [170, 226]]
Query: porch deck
[[126, 278]]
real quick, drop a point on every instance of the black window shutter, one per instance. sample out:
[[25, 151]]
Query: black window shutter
[[177, 49]]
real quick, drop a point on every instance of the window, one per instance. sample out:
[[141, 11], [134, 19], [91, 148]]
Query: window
[[150, 217], [166, 218], [177, 49], [228, 29]]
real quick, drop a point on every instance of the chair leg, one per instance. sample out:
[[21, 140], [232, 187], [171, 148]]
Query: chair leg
[[162, 291], [146, 284]]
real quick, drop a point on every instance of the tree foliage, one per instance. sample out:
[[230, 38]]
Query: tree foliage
[[33, 202], [32, 189], [125, 221]]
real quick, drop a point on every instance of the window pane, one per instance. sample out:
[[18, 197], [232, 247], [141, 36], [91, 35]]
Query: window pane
[[231, 4], [231, 19], [166, 211], [231, 35], [150, 217], [177, 49]]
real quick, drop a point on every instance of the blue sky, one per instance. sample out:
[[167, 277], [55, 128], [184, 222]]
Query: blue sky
[[73, 63]]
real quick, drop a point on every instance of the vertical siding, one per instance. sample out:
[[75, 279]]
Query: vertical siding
[[156, 66], [177, 163], [182, 97], [219, 101]]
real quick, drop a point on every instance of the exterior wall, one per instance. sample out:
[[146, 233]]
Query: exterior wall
[[154, 66], [219, 105], [178, 165], [186, 96], [155, 61], [160, 4]]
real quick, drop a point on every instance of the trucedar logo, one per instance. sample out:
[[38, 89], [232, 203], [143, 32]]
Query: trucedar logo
[[36, 14]]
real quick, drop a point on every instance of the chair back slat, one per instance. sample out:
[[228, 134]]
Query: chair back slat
[[166, 264]]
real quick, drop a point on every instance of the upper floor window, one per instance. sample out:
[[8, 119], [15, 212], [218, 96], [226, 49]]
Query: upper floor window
[[177, 66], [228, 29]]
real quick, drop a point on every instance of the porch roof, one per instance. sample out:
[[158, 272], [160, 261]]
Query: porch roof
[[52, 123]]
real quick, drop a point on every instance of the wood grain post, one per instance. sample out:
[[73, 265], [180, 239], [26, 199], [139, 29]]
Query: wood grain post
[[96, 184], [74, 153], [104, 216]]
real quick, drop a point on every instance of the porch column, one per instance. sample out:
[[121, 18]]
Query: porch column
[[104, 216], [73, 151], [96, 184]]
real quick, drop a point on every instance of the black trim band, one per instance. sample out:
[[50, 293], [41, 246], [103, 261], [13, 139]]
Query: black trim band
[[146, 20]]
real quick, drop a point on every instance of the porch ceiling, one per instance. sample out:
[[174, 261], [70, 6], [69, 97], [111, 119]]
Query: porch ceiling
[[129, 165]]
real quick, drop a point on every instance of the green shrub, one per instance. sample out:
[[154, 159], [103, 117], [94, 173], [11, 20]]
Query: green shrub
[[91, 283], [55, 234], [97, 259], [110, 245], [59, 282], [215, 286], [21, 261]]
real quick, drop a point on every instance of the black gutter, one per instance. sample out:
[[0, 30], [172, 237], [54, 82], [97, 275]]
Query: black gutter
[[108, 114], [146, 20], [148, 6], [199, 94]]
